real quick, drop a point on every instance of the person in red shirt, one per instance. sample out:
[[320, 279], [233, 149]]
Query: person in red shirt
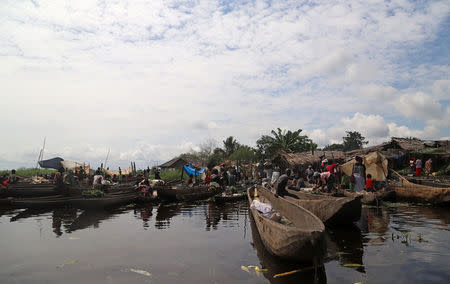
[[331, 168], [369, 184]]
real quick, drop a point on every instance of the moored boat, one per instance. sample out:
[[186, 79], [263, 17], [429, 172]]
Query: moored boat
[[301, 239], [185, 193], [331, 210], [223, 198], [408, 191]]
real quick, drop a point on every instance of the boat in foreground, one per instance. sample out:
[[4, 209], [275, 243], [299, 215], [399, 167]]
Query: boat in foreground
[[301, 238], [331, 210]]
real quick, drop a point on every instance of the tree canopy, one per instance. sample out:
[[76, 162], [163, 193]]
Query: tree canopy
[[354, 140], [288, 141]]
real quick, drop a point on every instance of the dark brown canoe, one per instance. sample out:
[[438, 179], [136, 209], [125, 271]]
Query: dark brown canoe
[[40, 202], [185, 193], [221, 198], [28, 190], [331, 210], [303, 240], [102, 202]]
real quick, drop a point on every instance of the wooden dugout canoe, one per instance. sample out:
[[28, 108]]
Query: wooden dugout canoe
[[28, 190], [220, 198], [303, 240], [408, 191], [185, 193], [331, 210]]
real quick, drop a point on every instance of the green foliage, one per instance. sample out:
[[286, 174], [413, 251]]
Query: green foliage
[[29, 172], [93, 193], [171, 175], [354, 140], [428, 151], [244, 154], [230, 145], [334, 147], [288, 141]]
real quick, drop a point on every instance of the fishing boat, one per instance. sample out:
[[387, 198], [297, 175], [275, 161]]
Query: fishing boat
[[371, 198], [29, 190], [331, 210], [185, 193], [102, 202], [40, 202], [300, 237], [223, 198], [408, 191]]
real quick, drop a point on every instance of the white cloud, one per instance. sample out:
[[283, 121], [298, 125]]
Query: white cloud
[[125, 74], [419, 105]]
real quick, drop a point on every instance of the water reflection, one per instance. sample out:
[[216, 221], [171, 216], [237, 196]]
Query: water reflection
[[164, 214], [276, 265], [345, 244], [144, 212], [92, 219]]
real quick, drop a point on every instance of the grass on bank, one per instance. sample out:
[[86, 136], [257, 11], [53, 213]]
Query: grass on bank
[[29, 172]]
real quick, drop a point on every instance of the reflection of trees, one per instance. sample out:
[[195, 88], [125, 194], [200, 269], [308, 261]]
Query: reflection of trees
[[345, 244], [276, 265]]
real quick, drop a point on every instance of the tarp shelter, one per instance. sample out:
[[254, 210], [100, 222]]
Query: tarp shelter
[[376, 165], [54, 163], [190, 170]]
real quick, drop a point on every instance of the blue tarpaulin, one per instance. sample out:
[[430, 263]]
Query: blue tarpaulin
[[190, 170]]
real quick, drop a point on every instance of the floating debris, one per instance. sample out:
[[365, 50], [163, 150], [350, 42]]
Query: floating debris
[[67, 263], [142, 272], [293, 272], [353, 265]]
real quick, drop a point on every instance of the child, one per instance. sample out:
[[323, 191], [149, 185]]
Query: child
[[369, 184]]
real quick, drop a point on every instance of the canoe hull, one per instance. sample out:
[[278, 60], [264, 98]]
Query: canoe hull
[[305, 244], [331, 210], [185, 193]]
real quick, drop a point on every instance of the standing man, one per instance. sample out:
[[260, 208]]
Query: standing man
[[418, 167]]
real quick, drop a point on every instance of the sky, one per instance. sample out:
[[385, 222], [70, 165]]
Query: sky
[[149, 80]]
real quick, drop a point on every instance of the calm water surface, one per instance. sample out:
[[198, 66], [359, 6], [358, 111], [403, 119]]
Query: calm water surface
[[207, 243]]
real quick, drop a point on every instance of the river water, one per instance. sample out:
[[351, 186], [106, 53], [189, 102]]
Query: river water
[[208, 243]]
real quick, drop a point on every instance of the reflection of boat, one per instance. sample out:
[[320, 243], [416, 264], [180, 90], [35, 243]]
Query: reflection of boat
[[92, 218], [375, 221], [406, 190], [301, 238], [30, 213], [329, 209], [276, 265], [346, 245], [182, 193]]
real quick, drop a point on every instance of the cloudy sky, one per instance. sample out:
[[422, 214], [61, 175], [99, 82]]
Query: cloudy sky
[[151, 79]]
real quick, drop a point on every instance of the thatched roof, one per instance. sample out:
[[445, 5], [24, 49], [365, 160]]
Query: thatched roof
[[178, 162], [292, 159], [408, 144]]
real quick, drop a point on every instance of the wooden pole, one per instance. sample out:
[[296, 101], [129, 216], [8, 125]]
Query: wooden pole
[[41, 155]]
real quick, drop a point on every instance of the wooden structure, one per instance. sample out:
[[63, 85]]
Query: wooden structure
[[185, 193], [303, 240]]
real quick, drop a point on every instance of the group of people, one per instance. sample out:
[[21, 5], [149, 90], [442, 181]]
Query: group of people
[[6, 179], [415, 165]]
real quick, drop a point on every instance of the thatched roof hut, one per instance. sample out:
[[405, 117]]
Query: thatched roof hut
[[178, 163], [291, 160]]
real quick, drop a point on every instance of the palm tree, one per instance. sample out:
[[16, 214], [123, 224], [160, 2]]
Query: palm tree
[[283, 140], [230, 145]]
